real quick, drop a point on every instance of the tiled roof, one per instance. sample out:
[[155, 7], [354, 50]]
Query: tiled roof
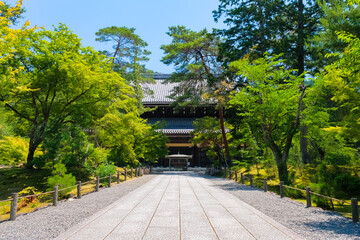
[[160, 91], [176, 131], [174, 123]]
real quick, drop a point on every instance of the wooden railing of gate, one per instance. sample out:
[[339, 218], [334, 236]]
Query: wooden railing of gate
[[13, 201], [307, 191]]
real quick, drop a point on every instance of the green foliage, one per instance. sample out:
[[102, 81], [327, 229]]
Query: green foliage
[[130, 139], [76, 87], [207, 135], [129, 51], [338, 16], [276, 26], [105, 169], [152, 145], [61, 178], [270, 105], [96, 157], [13, 14], [193, 54], [13, 151], [343, 78]]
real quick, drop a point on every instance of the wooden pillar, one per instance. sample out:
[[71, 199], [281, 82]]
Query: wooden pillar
[[265, 185], [13, 208], [79, 189], [125, 174], [355, 210], [308, 197], [118, 177], [55, 195], [109, 181], [97, 184], [282, 189]]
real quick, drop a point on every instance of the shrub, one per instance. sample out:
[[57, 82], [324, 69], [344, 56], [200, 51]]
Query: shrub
[[30, 200], [346, 185], [104, 170], [61, 179]]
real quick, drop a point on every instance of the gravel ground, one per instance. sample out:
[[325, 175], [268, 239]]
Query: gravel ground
[[49, 222], [311, 223]]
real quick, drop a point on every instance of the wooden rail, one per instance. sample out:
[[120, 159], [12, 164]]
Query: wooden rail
[[307, 191], [14, 197]]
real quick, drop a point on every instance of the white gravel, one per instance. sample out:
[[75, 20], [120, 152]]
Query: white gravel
[[312, 223], [49, 222]]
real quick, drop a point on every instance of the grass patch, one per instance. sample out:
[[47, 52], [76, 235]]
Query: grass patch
[[15, 179]]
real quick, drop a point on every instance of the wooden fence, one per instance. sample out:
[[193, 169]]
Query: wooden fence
[[282, 186], [137, 172]]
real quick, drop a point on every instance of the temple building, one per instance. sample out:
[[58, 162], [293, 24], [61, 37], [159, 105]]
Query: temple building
[[178, 125]]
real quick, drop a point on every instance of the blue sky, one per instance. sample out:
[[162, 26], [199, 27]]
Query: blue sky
[[151, 18]]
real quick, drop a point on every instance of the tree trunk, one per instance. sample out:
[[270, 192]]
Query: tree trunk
[[300, 40], [226, 146], [282, 170], [281, 162], [301, 68], [305, 156], [30, 156]]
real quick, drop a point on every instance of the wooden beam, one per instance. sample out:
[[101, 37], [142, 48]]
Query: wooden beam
[[179, 144]]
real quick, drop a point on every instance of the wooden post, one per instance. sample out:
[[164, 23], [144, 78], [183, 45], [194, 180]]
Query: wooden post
[[118, 177], [265, 185], [308, 197], [282, 189], [251, 181], [55, 195], [355, 210], [13, 208], [131, 173], [229, 173], [109, 181], [79, 189], [151, 169], [242, 178], [125, 174], [97, 184], [236, 176]]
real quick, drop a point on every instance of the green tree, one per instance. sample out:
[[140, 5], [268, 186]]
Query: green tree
[[194, 56], [57, 81], [207, 133], [275, 26], [60, 178], [338, 16], [343, 78], [152, 145], [270, 105], [129, 51], [11, 13]]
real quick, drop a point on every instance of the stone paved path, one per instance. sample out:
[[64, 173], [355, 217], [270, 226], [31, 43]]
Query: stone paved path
[[179, 206]]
